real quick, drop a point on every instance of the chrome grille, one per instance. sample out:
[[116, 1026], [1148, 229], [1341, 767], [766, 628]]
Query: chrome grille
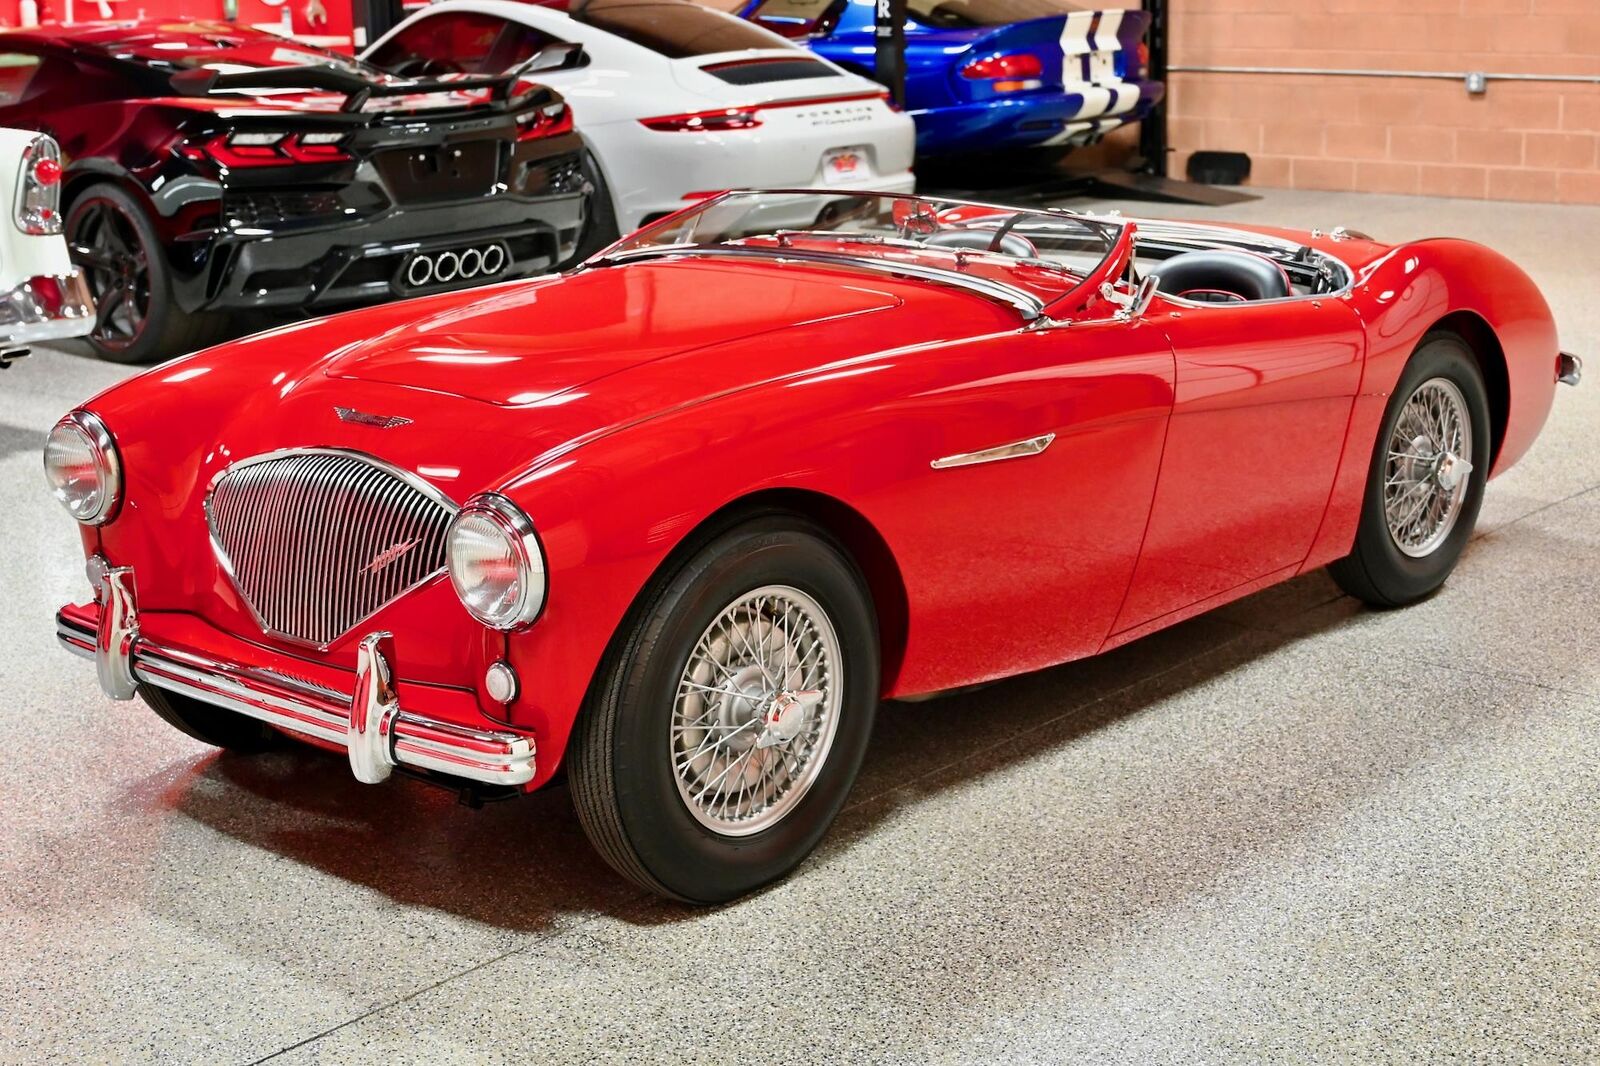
[[318, 540]]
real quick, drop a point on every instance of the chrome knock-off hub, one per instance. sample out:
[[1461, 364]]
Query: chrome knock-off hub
[[1426, 472], [756, 710]]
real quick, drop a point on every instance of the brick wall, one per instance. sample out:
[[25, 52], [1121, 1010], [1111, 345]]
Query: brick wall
[[1518, 141]]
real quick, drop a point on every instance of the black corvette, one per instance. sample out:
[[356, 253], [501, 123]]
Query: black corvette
[[213, 169]]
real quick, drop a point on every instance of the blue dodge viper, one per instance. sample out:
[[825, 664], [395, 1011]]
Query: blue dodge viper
[[989, 74]]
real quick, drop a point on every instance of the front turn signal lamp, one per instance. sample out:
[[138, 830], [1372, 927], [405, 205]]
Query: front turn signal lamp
[[495, 562], [83, 468]]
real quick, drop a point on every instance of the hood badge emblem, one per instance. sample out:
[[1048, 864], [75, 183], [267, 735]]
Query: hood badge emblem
[[361, 418], [388, 556]]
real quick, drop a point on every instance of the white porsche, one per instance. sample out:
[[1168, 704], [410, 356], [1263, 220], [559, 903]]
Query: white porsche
[[677, 102]]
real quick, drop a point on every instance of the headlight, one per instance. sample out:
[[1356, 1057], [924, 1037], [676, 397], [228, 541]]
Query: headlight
[[495, 562], [81, 464]]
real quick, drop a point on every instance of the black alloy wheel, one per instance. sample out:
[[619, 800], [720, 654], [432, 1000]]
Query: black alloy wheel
[[136, 317], [107, 246]]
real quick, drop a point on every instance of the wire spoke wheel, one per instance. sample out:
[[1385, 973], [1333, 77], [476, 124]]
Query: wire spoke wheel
[[106, 245], [1428, 467], [756, 710]]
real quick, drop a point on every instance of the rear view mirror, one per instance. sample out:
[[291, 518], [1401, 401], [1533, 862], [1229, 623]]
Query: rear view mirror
[[1134, 304], [1141, 298]]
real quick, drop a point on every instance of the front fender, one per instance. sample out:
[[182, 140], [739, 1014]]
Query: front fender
[[863, 433]]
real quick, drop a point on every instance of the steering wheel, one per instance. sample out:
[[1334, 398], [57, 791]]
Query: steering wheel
[[1000, 234]]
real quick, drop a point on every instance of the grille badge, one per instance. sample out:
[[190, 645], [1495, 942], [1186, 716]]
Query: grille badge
[[389, 555], [361, 418]]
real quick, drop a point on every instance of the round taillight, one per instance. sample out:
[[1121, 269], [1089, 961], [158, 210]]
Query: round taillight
[[46, 171]]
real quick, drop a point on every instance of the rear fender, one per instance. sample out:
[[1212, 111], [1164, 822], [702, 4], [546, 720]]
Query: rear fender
[[1082, 46], [1400, 298]]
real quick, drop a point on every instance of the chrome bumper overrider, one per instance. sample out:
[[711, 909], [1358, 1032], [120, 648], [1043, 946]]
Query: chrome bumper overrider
[[1569, 369], [370, 724], [46, 309]]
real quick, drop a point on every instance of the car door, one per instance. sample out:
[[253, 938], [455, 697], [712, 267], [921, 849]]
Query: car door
[[1018, 516], [1263, 398]]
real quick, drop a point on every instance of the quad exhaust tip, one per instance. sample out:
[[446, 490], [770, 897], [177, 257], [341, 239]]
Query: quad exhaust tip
[[455, 264]]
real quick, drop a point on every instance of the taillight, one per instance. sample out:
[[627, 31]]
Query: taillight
[[314, 147], [1009, 72], [731, 118], [268, 149], [38, 206], [547, 121]]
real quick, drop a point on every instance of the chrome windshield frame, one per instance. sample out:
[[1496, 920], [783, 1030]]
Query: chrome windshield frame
[[1030, 307]]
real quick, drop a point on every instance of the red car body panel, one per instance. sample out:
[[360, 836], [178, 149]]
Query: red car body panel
[[1199, 453]]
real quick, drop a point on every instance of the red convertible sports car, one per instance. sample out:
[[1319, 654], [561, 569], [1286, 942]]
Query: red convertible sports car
[[675, 521]]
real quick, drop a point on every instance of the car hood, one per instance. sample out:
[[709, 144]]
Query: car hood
[[475, 391], [525, 344], [471, 389]]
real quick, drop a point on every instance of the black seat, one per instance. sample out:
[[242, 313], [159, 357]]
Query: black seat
[[1222, 276], [978, 240]]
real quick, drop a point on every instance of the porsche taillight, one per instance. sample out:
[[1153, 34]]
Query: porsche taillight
[[268, 149], [38, 205], [551, 120], [727, 118]]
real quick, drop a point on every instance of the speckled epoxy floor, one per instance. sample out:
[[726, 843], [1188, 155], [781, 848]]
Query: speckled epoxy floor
[[1292, 830]]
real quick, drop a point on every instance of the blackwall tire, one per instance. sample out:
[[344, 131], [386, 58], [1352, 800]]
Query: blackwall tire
[[211, 725], [632, 774], [600, 226], [1390, 568], [137, 320]]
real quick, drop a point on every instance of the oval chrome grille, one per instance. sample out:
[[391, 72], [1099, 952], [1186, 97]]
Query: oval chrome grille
[[318, 540]]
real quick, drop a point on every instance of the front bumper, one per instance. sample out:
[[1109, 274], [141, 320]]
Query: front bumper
[[376, 732], [46, 309]]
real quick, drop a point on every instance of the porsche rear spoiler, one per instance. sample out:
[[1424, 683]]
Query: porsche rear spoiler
[[357, 89]]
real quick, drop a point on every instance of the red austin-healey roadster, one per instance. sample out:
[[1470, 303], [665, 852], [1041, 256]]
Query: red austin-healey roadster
[[678, 519]]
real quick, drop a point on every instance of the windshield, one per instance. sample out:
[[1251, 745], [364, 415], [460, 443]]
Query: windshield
[[1042, 255]]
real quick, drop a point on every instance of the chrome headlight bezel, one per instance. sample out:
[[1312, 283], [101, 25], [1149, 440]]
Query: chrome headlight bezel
[[91, 432], [523, 548]]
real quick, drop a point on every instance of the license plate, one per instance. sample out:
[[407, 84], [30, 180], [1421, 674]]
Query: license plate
[[844, 165]]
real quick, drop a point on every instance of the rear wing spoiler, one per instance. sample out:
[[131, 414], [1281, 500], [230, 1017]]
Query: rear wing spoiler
[[357, 89]]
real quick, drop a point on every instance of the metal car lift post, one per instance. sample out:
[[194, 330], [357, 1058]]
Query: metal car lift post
[[1153, 147], [889, 40]]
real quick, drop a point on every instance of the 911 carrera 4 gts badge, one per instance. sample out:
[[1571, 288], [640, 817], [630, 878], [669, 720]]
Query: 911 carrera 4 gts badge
[[388, 555], [361, 418]]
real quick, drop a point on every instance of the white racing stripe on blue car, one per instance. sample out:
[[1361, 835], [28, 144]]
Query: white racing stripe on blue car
[[1075, 34], [1105, 34], [1089, 45], [1097, 100]]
